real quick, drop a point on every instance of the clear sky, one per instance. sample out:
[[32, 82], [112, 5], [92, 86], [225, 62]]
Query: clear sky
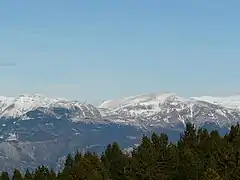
[[104, 49]]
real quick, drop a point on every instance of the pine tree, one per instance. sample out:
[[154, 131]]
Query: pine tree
[[41, 172], [5, 176], [211, 174], [67, 172], [78, 157], [188, 147], [115, 161], [144, 159], [51, 175], [28, 175], [17, 175], [69, 162]]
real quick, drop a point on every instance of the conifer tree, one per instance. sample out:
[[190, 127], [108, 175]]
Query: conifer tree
[[69, 162], [28, 175], [211, 174], [5, 176], [115, 161], [17, 175]]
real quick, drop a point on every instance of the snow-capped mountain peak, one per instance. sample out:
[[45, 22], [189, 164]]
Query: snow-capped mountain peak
[[156, 108], [232, 102], [161, 98], [16, 107], [152, 98], [153, 109]]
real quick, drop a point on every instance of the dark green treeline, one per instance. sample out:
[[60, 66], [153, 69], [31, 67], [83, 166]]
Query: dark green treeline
[[198, 155]]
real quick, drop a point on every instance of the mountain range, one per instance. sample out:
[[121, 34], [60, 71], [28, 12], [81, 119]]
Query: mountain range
[[35, 129]]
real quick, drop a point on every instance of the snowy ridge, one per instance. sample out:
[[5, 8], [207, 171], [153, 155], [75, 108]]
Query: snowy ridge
[[169, 109], [150, 103], [17, 107], [145, 110], [232, 102]]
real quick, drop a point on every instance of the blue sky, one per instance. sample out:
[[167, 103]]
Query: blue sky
[[98, 50]]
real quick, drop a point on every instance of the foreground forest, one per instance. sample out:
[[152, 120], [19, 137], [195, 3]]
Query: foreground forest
[[197, 155]]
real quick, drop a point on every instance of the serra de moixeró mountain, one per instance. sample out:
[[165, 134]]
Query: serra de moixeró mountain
[[35, 129]]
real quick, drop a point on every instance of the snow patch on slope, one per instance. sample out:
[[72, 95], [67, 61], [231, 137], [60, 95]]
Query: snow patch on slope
[[19, 106], [146, 99], [152, 109], [232, 102], [168, 109]]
